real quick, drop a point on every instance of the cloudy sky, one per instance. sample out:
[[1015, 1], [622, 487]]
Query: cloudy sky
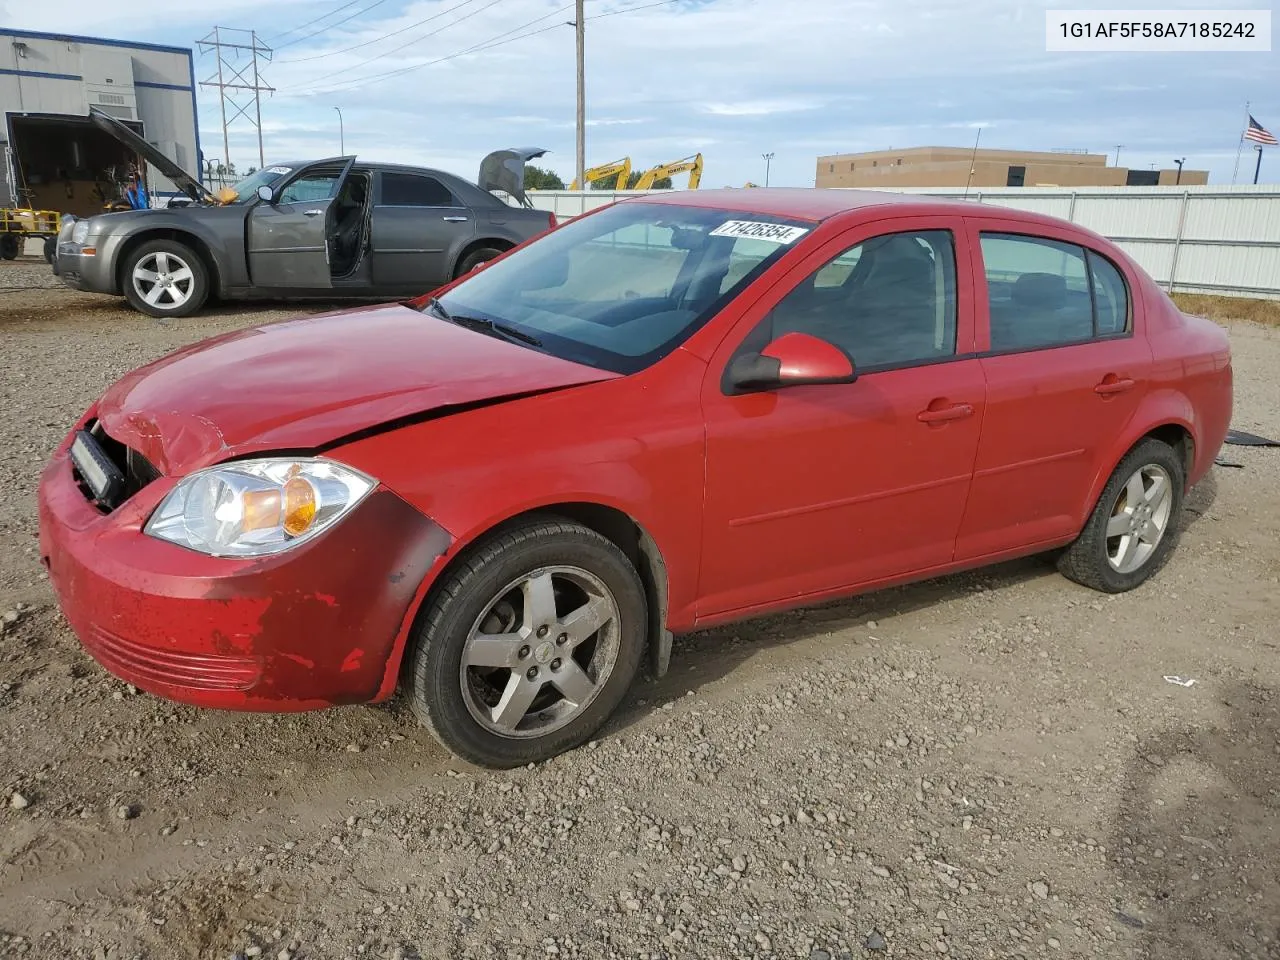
[[436, 82]]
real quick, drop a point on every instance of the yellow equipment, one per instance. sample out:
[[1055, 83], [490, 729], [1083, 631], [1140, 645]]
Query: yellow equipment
[[619, 168], [691, 164], [18, 224], [750, 186]]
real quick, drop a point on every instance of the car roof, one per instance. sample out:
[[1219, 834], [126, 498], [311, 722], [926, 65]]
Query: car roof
[[818, 203], [366, 165]]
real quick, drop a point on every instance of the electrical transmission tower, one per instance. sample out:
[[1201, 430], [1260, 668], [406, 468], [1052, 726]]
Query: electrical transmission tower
[[240, 86]]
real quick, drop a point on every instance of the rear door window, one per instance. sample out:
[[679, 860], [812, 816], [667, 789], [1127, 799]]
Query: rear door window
[[415, 190], [1046, 293]]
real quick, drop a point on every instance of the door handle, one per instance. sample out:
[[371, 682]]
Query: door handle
[[455, 219], [957, 411], [1111, 385], [312, 213]]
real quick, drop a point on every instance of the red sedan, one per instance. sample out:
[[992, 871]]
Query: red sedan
[[669, 413]]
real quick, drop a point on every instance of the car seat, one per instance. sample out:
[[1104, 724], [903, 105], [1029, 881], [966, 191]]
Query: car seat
[[348, 224]]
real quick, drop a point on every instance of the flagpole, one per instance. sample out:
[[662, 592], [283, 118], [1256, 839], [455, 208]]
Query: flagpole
[[1240, 146]]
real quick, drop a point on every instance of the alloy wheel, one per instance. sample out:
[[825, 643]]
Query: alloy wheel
[[540, 652], [164, 280], [1139, 518]]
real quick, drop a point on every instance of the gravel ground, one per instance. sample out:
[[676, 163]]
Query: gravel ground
[[989, 765]]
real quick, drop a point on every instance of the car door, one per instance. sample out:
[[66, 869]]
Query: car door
[[1065, 374], [288, 236], [418, 227], [815, 488]]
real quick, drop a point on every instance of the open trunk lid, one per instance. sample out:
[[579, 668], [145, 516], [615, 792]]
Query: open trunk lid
[[503, 170]]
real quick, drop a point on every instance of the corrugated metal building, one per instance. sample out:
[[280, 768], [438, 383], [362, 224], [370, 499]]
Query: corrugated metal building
[[55, 158]]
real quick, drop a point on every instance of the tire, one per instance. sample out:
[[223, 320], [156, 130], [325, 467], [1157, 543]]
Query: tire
[[1105, 563], [188, 287], [486, 592], [10, 246], [50, 249], [475, 258]]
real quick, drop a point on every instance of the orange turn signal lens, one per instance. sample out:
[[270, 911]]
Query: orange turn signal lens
[[299, 506]]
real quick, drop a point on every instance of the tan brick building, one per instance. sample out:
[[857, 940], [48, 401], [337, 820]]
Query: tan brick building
[[950, 167]]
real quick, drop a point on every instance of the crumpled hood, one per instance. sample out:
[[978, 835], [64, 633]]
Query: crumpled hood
[[304, 383]]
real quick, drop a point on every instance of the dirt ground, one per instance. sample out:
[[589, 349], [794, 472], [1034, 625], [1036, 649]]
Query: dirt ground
[[989, 765]]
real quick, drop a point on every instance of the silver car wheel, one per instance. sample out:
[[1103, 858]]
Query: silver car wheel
[[1139, 518], [540, 652], [164, 280]]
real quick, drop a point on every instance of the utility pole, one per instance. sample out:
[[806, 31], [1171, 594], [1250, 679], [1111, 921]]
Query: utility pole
[[1118, 146], [237, 77], [342, 136], [768, 161], [1257, 167], [580, 28], [1179, 163]]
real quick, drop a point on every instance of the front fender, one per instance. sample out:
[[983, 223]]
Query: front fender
[[217, 232]]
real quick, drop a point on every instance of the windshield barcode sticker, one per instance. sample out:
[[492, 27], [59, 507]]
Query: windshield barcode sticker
[[759, 230]]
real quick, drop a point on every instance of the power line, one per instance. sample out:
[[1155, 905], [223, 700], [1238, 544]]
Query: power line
[[475, 48], [491, 43], [385, 36], [323, 16], [338, 23]]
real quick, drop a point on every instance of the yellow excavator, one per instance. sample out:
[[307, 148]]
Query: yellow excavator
[[691, 164], [619, 168]]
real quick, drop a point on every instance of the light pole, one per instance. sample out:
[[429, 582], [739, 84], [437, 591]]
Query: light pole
[[1179, 163], [768, 161], [342, 135], [1118, 147]]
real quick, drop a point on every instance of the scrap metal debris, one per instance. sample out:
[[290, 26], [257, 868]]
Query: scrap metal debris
[[1241, 439]]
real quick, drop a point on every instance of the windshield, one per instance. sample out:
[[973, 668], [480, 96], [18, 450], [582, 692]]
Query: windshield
[[621, 288], [247, 189]]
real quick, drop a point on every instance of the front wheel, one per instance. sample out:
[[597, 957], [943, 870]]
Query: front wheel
[[475, 258], [164, 278], [10, 246], [1134, 526], [529, 645]]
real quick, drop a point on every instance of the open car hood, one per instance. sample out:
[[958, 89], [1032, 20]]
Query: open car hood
[[183, 180], [504, 170]]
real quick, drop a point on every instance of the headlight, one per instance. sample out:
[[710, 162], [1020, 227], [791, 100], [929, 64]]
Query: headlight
[[252, 508], [80, 231]]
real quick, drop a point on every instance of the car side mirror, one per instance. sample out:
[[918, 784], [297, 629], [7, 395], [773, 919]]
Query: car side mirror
[[266, 194], [792, 360]]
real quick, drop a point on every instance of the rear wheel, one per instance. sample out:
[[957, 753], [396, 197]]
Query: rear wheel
[[50, 249], [1134, 526], [529, 644], [164, 278], [10, 246], [477, 257]]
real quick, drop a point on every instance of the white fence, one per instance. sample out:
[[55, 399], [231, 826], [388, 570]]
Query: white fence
[[1221, 240]]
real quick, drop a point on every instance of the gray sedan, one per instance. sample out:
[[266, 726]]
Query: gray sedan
[[330, 229]]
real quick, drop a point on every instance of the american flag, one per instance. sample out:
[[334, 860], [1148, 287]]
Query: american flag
[[1259, 134]]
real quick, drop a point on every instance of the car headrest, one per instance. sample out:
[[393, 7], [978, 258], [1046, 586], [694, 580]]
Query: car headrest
[[1039, 290]]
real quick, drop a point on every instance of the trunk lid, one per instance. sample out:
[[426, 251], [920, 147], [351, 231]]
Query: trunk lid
[[503, 170]]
